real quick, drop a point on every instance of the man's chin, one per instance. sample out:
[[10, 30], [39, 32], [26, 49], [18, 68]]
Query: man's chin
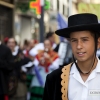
[[81, 59]]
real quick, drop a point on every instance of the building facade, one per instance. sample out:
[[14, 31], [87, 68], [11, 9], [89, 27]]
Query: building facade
[[6, 18]]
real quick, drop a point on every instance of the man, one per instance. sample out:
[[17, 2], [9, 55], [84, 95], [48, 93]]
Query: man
[[51, 36], [31, 44], [81, 79], [6, 66], [45, 62], [11, 43], [65, 52]]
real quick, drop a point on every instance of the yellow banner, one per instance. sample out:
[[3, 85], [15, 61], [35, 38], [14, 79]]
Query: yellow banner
[[89, 8]]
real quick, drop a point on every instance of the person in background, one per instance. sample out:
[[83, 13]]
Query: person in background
[[11, 43], [19, 89], [40, 46], [31, 44], [45, 62], [65, 52], [26, 48], [6, 66], [51, 36]]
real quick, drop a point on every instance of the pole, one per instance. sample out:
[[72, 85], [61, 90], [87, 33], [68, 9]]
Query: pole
[[0, 30], [70, 7], [42, 21]]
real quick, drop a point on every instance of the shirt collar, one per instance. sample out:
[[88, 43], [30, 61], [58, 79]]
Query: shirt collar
[[97, 69], [74, 69]]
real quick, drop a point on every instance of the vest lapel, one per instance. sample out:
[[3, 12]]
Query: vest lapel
[[65, 81]]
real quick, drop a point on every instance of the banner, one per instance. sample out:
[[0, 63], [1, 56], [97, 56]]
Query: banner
[[89, 8], [62, 23]]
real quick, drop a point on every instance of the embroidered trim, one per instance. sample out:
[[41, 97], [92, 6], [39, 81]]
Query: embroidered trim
[[65, 80]]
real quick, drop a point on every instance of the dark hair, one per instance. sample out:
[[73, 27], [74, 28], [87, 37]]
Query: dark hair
[[26, 42], [47, 40], [96, 35], [49, 34]]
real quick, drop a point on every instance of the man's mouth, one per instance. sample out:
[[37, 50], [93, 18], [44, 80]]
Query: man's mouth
[[81, 53]]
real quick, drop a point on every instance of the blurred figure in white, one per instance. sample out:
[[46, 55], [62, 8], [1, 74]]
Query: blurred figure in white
[[50, 36]]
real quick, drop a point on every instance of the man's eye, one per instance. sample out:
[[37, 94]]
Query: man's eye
[[73, 40], [85, 39]]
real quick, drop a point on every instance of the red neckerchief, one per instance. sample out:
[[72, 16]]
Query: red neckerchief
[[53, 56]]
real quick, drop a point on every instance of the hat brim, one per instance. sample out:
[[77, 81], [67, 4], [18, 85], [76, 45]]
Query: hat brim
[[66, 31]]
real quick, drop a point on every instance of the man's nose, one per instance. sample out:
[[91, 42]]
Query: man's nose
[[79, 45]]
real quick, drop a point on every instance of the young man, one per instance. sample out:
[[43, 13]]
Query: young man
[[82, 81]]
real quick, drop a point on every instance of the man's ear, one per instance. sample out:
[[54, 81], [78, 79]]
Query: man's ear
[[98, 45]]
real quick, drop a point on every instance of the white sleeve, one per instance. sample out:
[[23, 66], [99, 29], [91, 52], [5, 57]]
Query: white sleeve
[[24, 67], [55, 64], [33, 52], [36, 62]]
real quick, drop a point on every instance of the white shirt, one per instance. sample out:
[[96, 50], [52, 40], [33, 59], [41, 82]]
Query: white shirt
[[98, 52], [34, 51], [88, 90]]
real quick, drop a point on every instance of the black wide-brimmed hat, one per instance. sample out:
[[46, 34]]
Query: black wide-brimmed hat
[[80, 22]]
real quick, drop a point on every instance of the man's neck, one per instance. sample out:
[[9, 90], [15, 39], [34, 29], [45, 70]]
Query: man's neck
[[87, 65]]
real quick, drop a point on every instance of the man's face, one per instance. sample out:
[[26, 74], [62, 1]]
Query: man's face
[[11, 44], [47, 45], [52, 38], [31, 44], [83, 45]]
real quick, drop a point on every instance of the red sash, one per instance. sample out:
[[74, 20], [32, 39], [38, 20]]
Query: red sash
[[47, 63]]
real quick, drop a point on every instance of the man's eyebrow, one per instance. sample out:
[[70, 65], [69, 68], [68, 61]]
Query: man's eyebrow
[[85, 37], [73, 38], [81, 38]]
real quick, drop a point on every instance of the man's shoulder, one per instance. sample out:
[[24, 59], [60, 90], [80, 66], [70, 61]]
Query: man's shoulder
[[57, 73], [4, 47], [54, 75]]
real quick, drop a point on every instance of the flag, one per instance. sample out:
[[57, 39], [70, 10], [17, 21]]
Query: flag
[[61, 23]]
